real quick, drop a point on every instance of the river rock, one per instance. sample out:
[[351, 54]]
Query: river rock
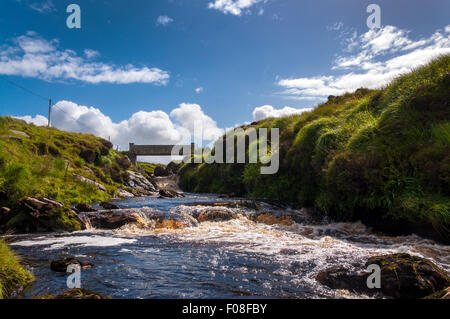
[[144, 217], [62, 264], [79, 294], [215, 216], [341, 278], [108, 206], [110, 220], [402, 276], [406, 276], [166, 193], [84, 208]]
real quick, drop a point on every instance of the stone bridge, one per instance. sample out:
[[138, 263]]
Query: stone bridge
[[158, 150]]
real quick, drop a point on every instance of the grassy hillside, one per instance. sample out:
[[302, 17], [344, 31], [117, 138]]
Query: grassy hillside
[[46, 162], [12, 275], [381, 156]]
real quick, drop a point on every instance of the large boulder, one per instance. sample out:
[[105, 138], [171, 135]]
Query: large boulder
[[110, 220], [406, 276], [402, 276], [62, 264]]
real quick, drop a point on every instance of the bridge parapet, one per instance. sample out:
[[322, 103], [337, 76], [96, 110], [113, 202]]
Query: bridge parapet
[[158, 150]]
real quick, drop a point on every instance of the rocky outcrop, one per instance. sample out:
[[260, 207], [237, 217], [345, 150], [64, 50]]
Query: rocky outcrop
[[62, 264], [140, 184], [44, 214], [402, 276], [124, 194], [89, 181]]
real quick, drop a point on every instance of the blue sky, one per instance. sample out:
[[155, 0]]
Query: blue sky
[[150, 68]]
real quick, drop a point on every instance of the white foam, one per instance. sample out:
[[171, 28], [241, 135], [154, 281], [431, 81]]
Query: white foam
[[82, 240]]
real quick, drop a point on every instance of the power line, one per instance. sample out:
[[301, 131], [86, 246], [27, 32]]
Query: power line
[[46, 99], [23, 88]]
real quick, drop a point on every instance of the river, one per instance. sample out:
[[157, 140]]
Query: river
[[230, 259]]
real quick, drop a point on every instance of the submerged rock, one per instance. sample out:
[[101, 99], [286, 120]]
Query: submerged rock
[[62, 264], [273, 219], [79, 294], [215, 216]]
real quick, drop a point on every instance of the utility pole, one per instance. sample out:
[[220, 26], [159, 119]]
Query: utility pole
[[49, 111]]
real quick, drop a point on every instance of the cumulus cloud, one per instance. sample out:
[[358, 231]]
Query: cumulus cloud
[[191, 115], [143, 127], [267, 111], [38, 120], [163, 20], [30, 55], [234, 7], [378, 57]]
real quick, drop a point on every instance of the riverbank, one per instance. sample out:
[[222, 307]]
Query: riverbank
[[379, 156]]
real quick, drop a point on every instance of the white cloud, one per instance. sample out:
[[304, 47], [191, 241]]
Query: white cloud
[[234, 7], [381, 55], [199, 90], [32, 56], [189, 115], [163, 20], [91, 54], [267, 111], [143, 127], [43, 6], [38, 120]]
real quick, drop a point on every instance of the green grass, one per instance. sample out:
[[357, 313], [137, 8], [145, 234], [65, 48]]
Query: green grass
[[12, 275], [382, 156]]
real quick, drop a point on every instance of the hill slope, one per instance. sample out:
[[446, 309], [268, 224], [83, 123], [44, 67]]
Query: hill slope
[[380, 156]]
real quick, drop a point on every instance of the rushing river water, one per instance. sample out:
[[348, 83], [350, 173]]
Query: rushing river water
[[229, 259]]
